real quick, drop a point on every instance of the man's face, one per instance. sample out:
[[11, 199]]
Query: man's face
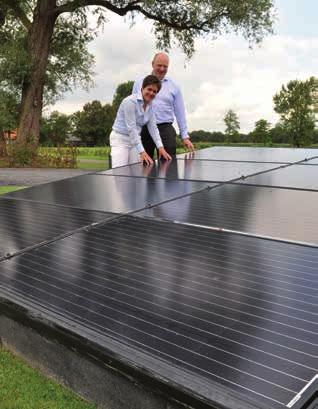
[[160, 66]]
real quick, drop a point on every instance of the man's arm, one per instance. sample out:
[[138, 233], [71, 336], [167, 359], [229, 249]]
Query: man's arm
[[179, 111]]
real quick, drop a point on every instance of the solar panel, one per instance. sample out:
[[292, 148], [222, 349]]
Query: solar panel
[[279, 213], [193, 170], [24, 224], [295, 176], [209, 289], [108, 193], [278, 155], [312, 162], [223, 308]]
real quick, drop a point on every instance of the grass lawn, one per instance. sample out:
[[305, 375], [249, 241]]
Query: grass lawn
[[7, 189], [92, 164], [21, 387]]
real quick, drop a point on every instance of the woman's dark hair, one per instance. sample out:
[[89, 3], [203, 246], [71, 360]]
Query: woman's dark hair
[[151, 80]]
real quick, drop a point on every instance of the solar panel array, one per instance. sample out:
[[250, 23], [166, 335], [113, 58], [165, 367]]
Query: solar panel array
[[206, 267]]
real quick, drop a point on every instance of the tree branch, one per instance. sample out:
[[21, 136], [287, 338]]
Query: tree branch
[[18, 12], [135, 6]]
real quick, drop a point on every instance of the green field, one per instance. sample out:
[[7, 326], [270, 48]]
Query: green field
[[7, 189], [21, 387]]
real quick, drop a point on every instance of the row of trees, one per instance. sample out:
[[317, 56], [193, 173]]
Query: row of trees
[[91, 126], [43, 43], [297, 104]]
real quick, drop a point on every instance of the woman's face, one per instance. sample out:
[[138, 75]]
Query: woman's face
[[149, 92]]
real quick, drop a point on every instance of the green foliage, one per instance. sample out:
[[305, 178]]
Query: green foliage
[[297, 104], [21, 155], [94, 152], [94, 123], [261, 132], [55, 129], [25, 155], [122, 91], [206, 136], [232, 126], [69, 63], [8, 189]]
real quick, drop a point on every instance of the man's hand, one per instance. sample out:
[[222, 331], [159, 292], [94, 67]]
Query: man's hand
[[164, 154], [188, 144], [145, 158]]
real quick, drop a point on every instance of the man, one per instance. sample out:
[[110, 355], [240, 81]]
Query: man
[[167, 106]]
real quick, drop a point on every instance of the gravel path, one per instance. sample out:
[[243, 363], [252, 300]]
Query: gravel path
[[31, 177]]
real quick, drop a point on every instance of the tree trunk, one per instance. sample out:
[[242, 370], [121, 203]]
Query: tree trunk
[[39, 40]]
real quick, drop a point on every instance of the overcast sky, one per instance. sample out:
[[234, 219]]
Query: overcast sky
[[223, 74]]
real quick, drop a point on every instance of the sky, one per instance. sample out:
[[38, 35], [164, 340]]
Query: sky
[[223, 74]]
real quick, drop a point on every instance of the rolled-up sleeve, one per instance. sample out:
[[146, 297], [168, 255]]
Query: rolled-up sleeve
[[154, 131], [130, 121], [179, 111]]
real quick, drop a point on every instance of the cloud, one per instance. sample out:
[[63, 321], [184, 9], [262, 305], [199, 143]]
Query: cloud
[[222, 75]]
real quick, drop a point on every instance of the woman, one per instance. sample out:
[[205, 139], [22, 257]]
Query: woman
[[134, 112]]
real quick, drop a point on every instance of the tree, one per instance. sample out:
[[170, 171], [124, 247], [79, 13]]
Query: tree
[[122, 91], [55, 129], [94, 123], [232, 126], [261, 132], [180, 21], [297, 105], [68, 63]]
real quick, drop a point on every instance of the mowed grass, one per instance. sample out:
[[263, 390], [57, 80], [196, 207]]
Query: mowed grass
[[21, 387], [7, 189]]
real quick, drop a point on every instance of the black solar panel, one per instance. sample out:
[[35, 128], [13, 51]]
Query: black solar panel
[[278, 213], [24, 224], [224, 308], [193, 170], [185, 301], [295, 176], [278, 155], [108, 193]]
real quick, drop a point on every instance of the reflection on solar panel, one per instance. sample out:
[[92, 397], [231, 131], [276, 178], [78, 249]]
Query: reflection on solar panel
[[194, 170], [279, 155], [217, 303], [108, 193], [284, 214], [24, 224], [298, 177]]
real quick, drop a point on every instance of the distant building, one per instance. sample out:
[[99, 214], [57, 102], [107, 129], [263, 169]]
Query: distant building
[[10, 135]]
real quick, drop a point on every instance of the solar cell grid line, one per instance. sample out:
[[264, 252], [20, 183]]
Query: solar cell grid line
[[133, 306], [37, 265], [292, 313], [249, 282], [142, 295], [164, 374], [217, 372], [281, 214], [187, 342], [246, 283], [24, 225]]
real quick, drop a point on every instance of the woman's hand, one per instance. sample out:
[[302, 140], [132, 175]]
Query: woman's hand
[[164, 154], [145, 158]]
